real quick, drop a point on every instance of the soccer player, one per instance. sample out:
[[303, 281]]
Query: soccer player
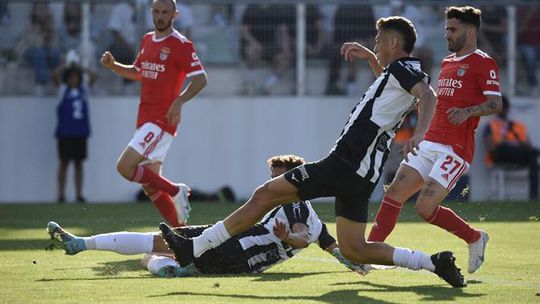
[[354, 165], [165, 59], [281, 234], [468, 87]]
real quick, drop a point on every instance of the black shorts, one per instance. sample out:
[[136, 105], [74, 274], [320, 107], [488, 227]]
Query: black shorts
[[72, 148], [332, 177], [227, 258]]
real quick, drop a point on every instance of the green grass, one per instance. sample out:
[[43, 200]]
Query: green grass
[[511, 273]]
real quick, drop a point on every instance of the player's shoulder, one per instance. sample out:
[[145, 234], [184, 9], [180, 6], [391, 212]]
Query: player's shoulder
[[148, 35], [178, 38], [481, 56], [406, 63]]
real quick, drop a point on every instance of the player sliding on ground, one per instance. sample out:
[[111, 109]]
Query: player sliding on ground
[[281, 234], [354, 165]]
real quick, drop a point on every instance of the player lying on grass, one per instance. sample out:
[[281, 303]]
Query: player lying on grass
[[281, 234]]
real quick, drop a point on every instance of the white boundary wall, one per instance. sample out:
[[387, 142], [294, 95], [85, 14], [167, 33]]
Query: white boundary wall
[[221, 141]]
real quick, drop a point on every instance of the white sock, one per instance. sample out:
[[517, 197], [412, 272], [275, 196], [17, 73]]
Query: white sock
[[210, 238], [157, 262], [121, 242], [412, 259]]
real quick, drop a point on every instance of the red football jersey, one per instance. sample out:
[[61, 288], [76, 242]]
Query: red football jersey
[[164, 63], [463, 82]]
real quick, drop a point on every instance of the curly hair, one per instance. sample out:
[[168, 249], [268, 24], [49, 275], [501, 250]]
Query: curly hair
[[287, 161]]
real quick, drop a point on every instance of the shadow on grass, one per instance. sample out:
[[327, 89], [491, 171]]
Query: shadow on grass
[[284, 276], [117, 267], [106, 271], [428, 292], [334, 297], [356, 295]]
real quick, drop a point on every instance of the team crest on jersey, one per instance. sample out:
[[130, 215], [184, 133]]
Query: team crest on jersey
[[164, 53], [462, 69]]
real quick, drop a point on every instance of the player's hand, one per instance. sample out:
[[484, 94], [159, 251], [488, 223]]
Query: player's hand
[[411, 146], [107, 60], [457, 115], [352, 50], [280, 230], [174, 113]]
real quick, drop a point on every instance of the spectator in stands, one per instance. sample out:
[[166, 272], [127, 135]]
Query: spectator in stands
[[494, 27], [71, 28], [529, 43], [315, 34], [507, 143], [352, 22], [122, 28], [266, 37], [39, 44], [73, 128]]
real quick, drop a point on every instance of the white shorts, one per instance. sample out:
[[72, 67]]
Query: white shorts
[[151, 142], [439, 162]]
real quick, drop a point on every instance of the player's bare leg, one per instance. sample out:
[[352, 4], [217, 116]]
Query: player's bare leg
[[354, 247], [129, 162], [428, 207], [62, 170], [405, 184], [79, 176], [273, 193]]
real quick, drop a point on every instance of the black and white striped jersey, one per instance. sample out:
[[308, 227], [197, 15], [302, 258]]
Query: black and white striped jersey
[[364, 143], [263, 249]]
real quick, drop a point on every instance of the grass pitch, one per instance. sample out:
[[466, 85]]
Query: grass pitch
[[30, 274]]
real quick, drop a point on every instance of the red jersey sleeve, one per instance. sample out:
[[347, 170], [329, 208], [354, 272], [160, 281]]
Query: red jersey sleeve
[[189, 61], [487, 77]]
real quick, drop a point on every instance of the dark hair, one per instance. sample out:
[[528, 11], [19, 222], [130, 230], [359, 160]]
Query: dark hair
[[287, 161], [401, 25], [71, 70], [465, 14]]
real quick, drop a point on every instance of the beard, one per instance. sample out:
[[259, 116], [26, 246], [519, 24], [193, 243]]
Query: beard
[[161, 25], [458, 44]]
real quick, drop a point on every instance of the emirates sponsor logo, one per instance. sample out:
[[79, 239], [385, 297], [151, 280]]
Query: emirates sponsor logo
[[152, 66], [450, 82], [448, 86], [151, 70]]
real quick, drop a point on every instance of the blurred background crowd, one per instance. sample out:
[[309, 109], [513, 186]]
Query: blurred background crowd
[[255, 47]]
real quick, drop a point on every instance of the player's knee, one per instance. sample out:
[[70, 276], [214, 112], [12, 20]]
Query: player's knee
[[424, 211], [261, 195], [148, 190], [355, 252], [125, 169]]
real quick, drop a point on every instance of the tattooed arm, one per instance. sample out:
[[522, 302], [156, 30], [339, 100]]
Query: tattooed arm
[[492, 105]]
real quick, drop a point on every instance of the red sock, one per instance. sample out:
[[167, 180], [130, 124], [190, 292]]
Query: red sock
[[451, 222], [385, 221], [164, 203], [144, 175]]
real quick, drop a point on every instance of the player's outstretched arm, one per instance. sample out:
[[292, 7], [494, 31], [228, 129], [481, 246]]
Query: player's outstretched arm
[[352, 50], [426, 109], [126, 71], [298, 238], [492, 105]]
